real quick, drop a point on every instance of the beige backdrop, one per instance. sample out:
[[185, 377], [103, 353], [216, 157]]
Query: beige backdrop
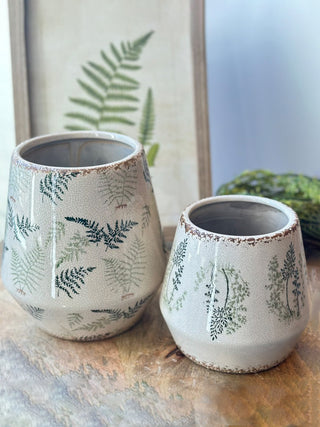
[[64, 35]]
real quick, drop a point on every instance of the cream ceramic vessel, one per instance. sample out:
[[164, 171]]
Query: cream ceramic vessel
[[235, 294], [83, 249]]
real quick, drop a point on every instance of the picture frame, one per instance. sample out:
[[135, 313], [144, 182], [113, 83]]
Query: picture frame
[[181, 175]]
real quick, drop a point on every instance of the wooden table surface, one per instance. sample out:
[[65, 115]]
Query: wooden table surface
[[136, 379]]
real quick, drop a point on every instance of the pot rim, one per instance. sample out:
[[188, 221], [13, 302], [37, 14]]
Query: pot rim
[[291, 225], [63, 136]]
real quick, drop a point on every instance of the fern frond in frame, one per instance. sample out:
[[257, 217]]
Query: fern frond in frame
[[147, 128], [108, 88]]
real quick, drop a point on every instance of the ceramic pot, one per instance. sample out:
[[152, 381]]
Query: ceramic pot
[[83, 249], [235, 294]]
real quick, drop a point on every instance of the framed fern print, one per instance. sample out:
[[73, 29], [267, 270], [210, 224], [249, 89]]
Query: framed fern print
[[135, 67]]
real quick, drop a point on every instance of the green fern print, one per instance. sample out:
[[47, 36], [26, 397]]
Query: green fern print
[[21, 227], [74, 249], [113, 315], [118, 187], [110, 94], [111, 237], [286, 286], [56, 232], [174, 276], [71, 281], [128, 272], [35, 312], [27, 270], [225, 291], [74, 319], [145, 217], [55, 185], [19, 182]]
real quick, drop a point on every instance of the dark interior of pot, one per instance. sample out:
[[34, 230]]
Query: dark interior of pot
[[239, 218], [77, 152]]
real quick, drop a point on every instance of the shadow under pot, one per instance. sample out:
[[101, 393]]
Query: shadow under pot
[[235, 294], [83, 245]]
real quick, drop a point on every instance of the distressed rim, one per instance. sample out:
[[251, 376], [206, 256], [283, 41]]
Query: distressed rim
[[291, 226], [59, 137]]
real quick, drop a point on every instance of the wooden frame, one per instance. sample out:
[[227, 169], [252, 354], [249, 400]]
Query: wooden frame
[[21, 87]]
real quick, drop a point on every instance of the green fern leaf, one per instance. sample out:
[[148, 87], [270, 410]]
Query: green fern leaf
[[86, 103], [108, 61], [71, 281], [21, 227], [54, 185], [19, 182], [152, 154], [127, 272], [146, 215], [74, 249], [84, 118], [119, 108], [109, 81], [101, 69], [118, 187], [35, 312], [91, 91], [122, 97], [116, 53], [147, 120], [75, 127], [95, 78], [56, 232], [122, 87], [139, 43], [94, 233], [126, 79], [27, 270], [116, 119], [130, 67]]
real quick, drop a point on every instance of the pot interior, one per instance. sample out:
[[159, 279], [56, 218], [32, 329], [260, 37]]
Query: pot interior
[[239, 218], [77, 152]]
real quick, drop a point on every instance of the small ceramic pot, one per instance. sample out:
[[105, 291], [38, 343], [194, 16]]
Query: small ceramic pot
[[235, 294], [83, 249]]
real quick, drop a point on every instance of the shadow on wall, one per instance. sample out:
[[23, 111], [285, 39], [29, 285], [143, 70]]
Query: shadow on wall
[[263, 62]]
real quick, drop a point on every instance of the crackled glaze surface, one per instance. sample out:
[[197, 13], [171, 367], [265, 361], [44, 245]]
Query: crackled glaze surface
[[238, 302], [83, 247]]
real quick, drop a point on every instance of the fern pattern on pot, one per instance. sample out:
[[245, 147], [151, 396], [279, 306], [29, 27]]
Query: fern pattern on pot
[[19, 182], [21, 227], [111, 237], [225, 291], [35, 312], [112, 315], [55, 233], [145, 217], [286, 286], [54, 185], [126, 273], [27, 269], [174, 274], [70, 281], [72, 251], [110, 94], [118, 187]]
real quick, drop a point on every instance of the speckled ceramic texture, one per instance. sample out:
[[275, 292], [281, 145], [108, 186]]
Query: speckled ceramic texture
[[237, 300], [83, 250]]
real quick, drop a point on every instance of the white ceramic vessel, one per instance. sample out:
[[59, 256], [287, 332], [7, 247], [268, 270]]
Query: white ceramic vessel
[[235, 294], [83, 249]]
